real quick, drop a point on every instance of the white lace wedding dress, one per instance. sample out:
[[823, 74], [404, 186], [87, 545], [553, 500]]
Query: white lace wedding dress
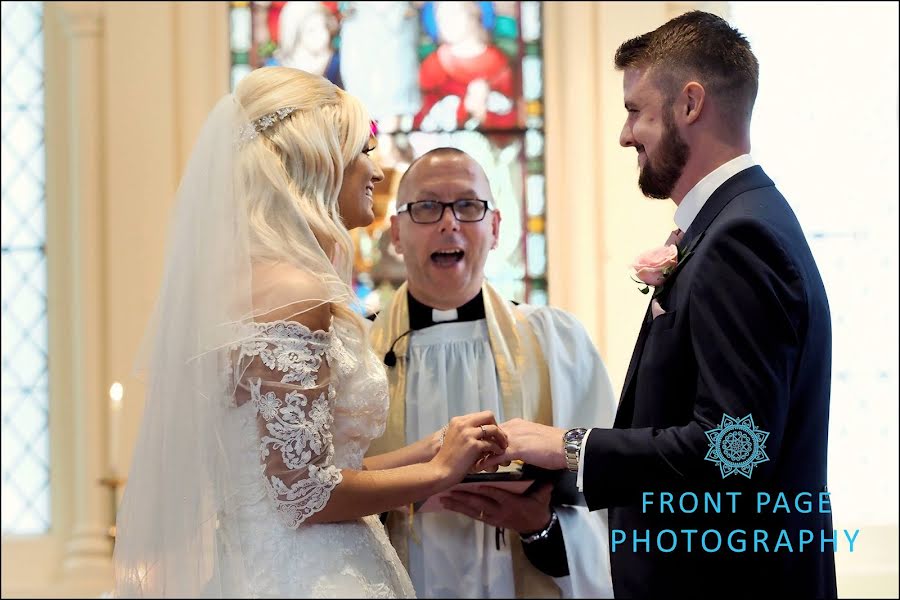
[[311, 403]]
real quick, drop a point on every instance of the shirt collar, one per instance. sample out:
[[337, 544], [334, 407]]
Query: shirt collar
[[422, 315], [694, 200]]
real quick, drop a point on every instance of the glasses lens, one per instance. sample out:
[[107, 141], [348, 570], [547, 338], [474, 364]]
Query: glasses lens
[[469, 210], [425, 212]]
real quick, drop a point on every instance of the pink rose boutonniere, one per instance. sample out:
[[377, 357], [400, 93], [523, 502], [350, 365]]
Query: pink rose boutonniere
[[653, 267]]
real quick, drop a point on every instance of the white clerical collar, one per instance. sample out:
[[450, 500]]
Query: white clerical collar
[[422, 315], [441, 316], [694, 200]]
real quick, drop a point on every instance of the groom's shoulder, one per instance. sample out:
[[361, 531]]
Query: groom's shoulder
[[758, 216], [761, 206]]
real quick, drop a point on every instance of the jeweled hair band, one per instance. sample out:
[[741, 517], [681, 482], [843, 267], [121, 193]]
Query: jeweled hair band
[[254, 128]]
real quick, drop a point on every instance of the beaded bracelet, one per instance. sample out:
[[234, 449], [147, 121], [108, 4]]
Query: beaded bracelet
[[544, 533]]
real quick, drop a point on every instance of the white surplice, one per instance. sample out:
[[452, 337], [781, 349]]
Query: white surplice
[[451, 372]]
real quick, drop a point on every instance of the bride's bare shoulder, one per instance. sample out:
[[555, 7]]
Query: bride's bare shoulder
[[283, 292]]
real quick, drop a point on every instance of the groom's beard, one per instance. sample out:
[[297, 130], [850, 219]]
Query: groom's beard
[[659, 175]]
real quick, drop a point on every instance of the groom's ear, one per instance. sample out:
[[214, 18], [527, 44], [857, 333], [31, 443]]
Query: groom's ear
[[691, 102]]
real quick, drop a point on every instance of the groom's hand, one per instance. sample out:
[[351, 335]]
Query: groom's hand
[[523, 513], [532, 443]]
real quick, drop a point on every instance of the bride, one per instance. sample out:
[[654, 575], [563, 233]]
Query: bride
[[249, 477]]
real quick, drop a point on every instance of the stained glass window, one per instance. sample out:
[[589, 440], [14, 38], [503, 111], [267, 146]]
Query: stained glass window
[[26, 442], [462, 74]]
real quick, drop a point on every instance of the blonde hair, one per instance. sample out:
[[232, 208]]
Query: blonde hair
[[292, 172]]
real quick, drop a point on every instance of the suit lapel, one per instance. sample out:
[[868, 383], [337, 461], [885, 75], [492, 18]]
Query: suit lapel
[[746, 180]]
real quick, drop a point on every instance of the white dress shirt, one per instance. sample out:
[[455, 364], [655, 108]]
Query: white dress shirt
[[694, 200], [685, 214]]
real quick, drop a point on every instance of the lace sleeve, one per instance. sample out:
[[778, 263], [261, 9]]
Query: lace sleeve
[[288, 381]]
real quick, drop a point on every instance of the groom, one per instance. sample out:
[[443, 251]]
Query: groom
[[725, 403]]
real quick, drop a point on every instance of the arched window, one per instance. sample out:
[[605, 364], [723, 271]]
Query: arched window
[[461, 74]]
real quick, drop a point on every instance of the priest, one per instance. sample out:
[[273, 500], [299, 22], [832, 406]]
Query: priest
[[453, 345]]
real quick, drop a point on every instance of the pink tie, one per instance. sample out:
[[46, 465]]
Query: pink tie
[[674, 238]]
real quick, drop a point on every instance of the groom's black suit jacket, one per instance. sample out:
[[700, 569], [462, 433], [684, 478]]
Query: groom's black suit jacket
[[747, 331]]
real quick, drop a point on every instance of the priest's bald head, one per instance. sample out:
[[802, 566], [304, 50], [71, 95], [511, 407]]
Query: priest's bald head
[[446, 224]]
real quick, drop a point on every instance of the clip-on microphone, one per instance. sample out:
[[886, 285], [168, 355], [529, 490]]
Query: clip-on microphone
[[390, 359]]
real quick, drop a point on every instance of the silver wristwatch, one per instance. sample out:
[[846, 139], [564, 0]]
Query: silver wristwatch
[[572, 440]]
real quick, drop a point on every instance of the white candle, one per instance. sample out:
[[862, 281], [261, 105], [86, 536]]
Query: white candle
[[115, 410]]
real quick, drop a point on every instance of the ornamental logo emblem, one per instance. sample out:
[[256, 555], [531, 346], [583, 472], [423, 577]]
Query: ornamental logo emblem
[[737, 445]]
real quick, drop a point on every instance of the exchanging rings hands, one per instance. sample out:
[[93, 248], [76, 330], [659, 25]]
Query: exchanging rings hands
[[466, 440]]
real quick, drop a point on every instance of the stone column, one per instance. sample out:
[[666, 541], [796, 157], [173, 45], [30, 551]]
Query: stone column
[[88, 549]]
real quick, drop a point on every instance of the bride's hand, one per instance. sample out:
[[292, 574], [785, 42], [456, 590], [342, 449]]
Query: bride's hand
[[467, 440]]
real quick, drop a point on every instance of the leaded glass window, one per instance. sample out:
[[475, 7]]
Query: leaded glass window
[[461, 74], [26, 442]]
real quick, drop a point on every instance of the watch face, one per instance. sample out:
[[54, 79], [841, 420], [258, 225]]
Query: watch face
[[574, 434]]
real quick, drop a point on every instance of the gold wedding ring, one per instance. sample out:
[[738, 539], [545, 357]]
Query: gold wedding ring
[[483, 433]]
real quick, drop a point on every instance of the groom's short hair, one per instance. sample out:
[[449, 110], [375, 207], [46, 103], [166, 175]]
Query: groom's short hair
[[703, 47]]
